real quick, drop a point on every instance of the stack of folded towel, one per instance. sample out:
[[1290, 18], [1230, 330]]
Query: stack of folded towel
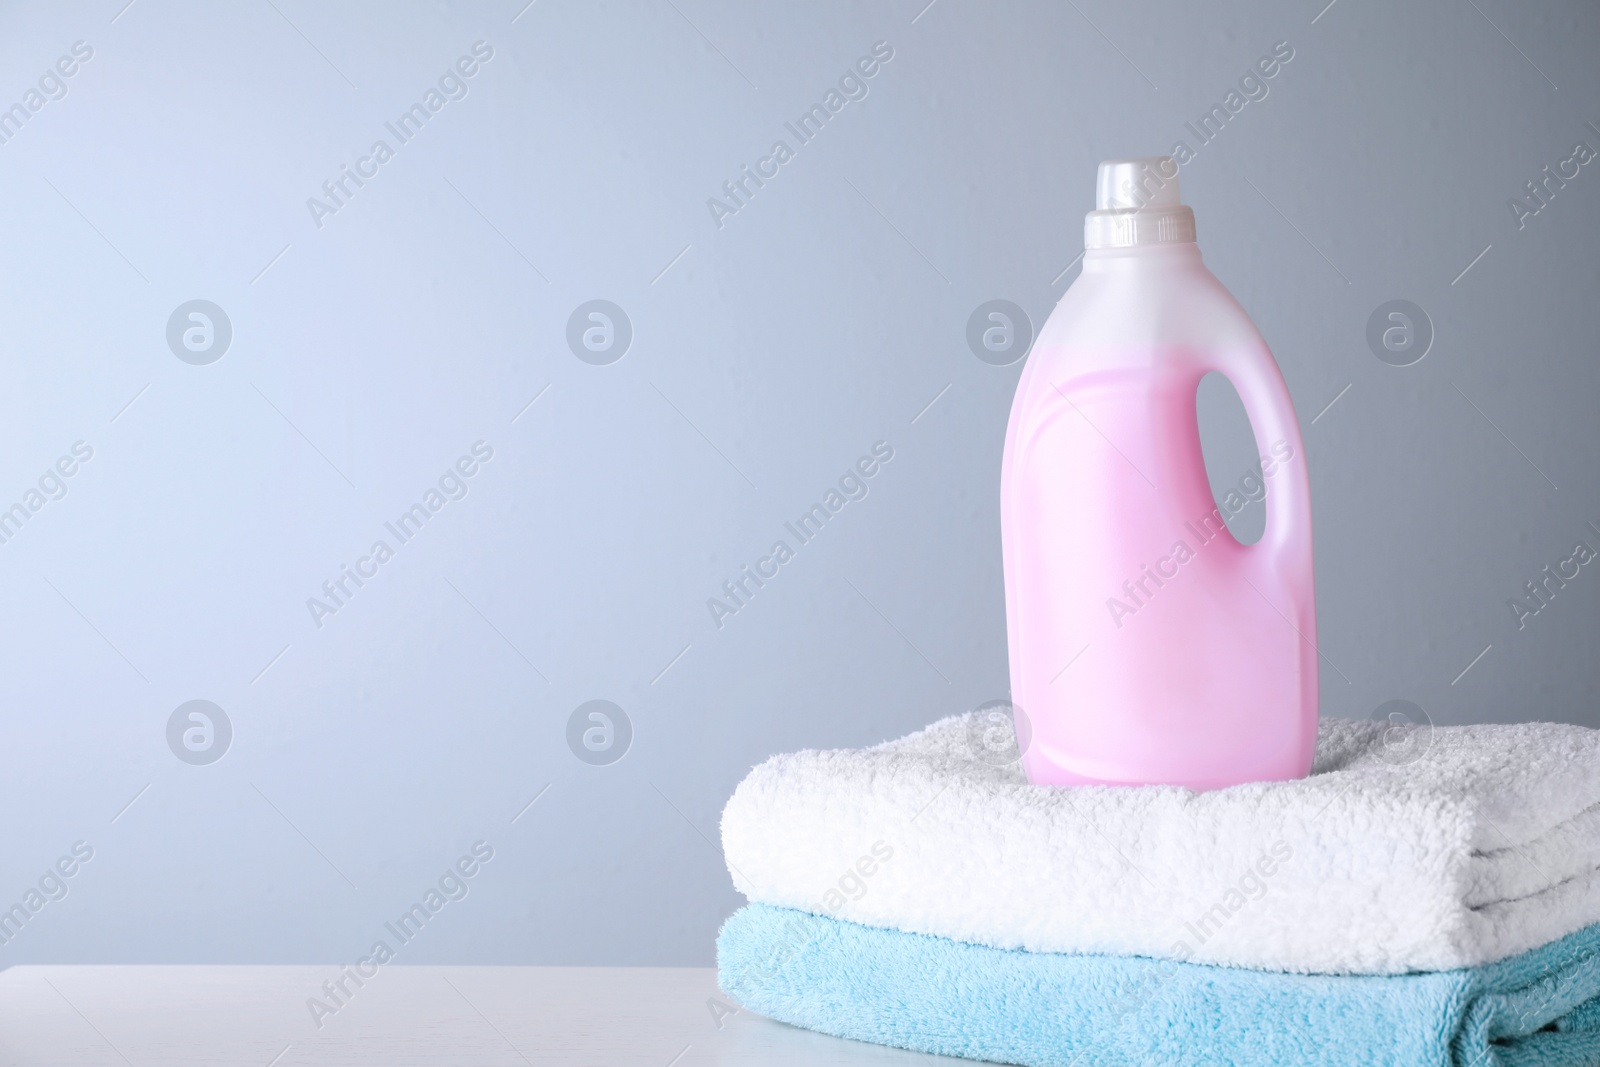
[[1426, 896]]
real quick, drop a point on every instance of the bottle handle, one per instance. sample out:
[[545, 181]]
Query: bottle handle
[[1259, 383]]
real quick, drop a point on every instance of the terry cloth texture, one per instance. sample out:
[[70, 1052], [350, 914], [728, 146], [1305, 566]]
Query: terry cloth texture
[[1406, 849], [935, 995]]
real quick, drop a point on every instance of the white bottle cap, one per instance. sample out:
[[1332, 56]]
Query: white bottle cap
[[1137, 202]]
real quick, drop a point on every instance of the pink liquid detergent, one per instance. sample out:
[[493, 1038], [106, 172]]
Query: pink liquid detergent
[[1147, 644]]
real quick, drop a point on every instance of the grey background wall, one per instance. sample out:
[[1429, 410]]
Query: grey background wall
[[376, 339]]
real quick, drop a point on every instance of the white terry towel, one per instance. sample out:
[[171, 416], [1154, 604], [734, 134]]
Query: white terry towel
[[1420, 850]]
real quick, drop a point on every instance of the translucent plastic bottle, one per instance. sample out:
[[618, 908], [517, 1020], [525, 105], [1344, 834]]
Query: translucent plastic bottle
[[1147, 644]]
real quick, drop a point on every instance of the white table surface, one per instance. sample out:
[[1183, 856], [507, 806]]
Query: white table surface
[[560, 1016]]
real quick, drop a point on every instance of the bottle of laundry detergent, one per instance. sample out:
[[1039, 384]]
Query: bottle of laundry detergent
[[1147, 644]]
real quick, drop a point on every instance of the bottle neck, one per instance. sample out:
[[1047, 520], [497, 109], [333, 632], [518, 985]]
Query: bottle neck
[[1140, 257]]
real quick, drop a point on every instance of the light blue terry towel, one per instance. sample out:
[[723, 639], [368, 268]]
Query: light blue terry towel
[[931, 994]]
